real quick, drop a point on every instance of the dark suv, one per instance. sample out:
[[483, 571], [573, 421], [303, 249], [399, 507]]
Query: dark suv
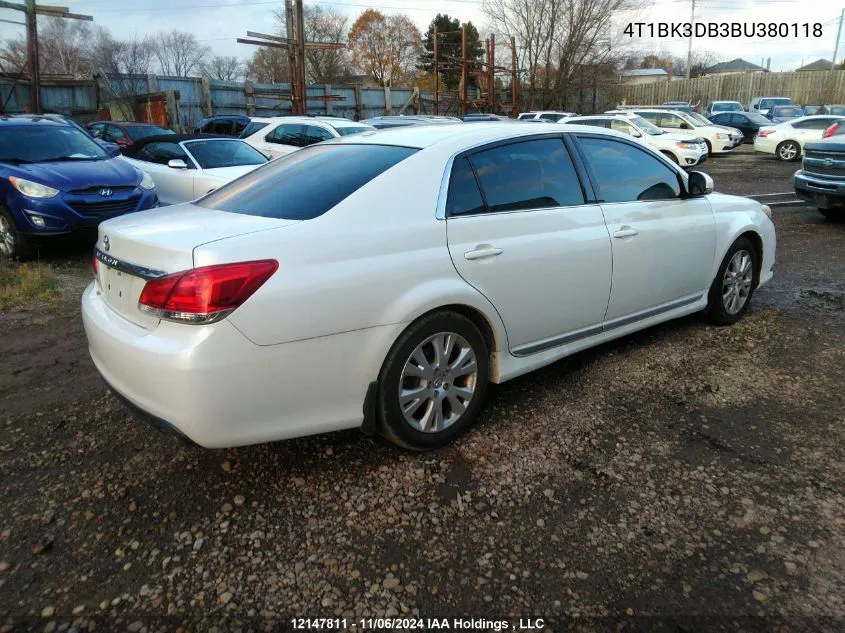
[[821, 179]]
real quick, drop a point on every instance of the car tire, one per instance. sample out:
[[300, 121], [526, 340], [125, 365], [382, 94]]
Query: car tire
[[709, 147], [833, 215], [737, 278], [431, 383], [13, 244], [788, 151], [671, 157]]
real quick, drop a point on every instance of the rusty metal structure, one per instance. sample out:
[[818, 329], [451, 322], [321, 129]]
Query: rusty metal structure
[[31, 11], [296, 46]]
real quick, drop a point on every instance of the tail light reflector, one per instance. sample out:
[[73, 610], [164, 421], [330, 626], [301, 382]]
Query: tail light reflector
[[95, 264], [765, 133], [831, 130], [206, 294]]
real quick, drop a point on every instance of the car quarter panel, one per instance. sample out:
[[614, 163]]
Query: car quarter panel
[[396, 262]]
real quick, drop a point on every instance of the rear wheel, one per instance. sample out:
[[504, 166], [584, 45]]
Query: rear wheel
[[731, 290], [788, 151], [433, 381], [13, 245]]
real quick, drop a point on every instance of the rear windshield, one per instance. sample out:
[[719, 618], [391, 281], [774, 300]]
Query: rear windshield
[[137, 132], [305, 184]]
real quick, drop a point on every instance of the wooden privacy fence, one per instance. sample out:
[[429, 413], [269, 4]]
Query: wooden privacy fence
[[808, 87]]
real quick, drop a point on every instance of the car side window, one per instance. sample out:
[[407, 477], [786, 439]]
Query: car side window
[[813, 124], [534, 174], [594, 122], [651, 117], [288, 134], [111, 133], [622, 126], [625, 173], [162, 153], [671, 121], [238, 126], [464, 196], [315, 134]]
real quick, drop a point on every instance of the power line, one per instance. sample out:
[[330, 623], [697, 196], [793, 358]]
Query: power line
[[273, 2]]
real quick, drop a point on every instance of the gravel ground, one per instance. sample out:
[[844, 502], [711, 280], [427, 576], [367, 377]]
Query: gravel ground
[[688, 473]]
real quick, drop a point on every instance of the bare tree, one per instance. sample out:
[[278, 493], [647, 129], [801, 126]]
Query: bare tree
[[225, 68], [63, 47], [269, 65], [323, 66], [121, 66], [13, 56], [179, 53]]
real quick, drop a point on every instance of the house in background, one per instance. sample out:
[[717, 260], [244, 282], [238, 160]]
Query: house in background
[[642, 76], [734, 66], [819, 64]]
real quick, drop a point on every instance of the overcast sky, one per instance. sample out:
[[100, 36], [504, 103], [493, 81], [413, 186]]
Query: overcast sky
[[218, 22]]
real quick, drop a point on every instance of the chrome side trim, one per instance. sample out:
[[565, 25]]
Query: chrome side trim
[[127, 267], [542, 346]]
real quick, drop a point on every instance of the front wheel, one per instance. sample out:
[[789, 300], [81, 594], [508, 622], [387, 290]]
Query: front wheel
[[433, 381], [788, 151], [13, 245], [671, 157], [731, 290]]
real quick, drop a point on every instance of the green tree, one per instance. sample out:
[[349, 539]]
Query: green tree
[[449, 50]]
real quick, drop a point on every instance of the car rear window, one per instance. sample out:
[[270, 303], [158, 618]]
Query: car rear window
[[137, 132], [307, 183]]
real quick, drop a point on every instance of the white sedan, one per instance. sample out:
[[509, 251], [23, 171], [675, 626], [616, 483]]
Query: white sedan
[[786, 140], [186, 167], [386, 295], [279, 136]]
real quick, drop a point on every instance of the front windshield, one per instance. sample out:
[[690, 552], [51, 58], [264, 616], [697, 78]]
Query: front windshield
[[216, 153], [645, 126], [794, 111], [687, 116], [137, 132], [701, 119], [349, 130], [38, 143]]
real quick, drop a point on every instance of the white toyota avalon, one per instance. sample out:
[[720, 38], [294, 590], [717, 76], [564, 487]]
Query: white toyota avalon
[[383, 280]]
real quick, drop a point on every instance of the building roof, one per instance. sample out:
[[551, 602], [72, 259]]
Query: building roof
[[737, 65], [642, 72], [819, 64]]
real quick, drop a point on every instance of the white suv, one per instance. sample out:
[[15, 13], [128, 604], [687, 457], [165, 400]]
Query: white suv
[[719, 140], [679, 148], [545, 115], [283, 135]]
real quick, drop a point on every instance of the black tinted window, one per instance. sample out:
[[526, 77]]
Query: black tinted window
[[593, 122], [288, 134], [137, 132], [464, 196], [216, 153], [814, 124], [305, 184], [238, 126], [316, 134], [528, 175], [161, 153], [625, 173], [251, 129]]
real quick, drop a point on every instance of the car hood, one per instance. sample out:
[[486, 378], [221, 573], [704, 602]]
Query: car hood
[[674, 136], [832, 144], [82, 174], [728, 128], [230, 173]]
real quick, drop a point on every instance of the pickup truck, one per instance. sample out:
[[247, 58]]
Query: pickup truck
[[821, 179]]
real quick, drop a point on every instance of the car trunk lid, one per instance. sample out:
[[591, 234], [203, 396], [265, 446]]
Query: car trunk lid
[[137, 247]]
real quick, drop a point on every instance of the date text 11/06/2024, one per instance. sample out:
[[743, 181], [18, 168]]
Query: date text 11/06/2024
[[422, 624], [723, 29]]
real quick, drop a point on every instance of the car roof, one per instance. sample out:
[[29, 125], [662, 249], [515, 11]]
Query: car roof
[[457, 137], [173, 138], [31, 119]]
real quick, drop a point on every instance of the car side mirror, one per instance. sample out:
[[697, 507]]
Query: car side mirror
[[686, 126], [700, 184], [177, 163], [636, 134], [96, 133]]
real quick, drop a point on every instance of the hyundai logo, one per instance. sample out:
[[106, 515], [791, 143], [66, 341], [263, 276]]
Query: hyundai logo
[[105, 192], [106, 242]]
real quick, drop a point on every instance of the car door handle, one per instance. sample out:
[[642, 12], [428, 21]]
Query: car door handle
[[628, 232], [480, 253]]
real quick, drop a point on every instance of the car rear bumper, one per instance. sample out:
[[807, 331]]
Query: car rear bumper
[[217, 388], [824, 192]]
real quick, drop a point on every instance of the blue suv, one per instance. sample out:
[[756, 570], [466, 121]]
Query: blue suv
[[56, 181]]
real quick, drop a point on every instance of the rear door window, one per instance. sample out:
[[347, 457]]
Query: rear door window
[[288, 134], [315, 134], [464, 195], [527, 175], [307, 183], [625, 173]]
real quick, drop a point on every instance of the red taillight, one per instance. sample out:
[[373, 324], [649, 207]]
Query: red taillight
[[207, 294], [95, 264], [831, 130], [765, 133]]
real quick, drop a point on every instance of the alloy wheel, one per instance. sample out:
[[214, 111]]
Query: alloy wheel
[[438, 381], [788, 151], [7, 237], [736, 284]]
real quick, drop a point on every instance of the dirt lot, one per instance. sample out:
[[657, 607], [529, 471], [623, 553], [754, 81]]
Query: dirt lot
[[689, 473]]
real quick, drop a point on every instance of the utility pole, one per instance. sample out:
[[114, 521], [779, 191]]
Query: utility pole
[[31, 10], [689, 48], [514, 108], [300, 57], [436, 77], [838, 35], [491, 72], [464, 97]]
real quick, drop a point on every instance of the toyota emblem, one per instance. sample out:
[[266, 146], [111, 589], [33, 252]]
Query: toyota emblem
[[106, 243], [105, 192]]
